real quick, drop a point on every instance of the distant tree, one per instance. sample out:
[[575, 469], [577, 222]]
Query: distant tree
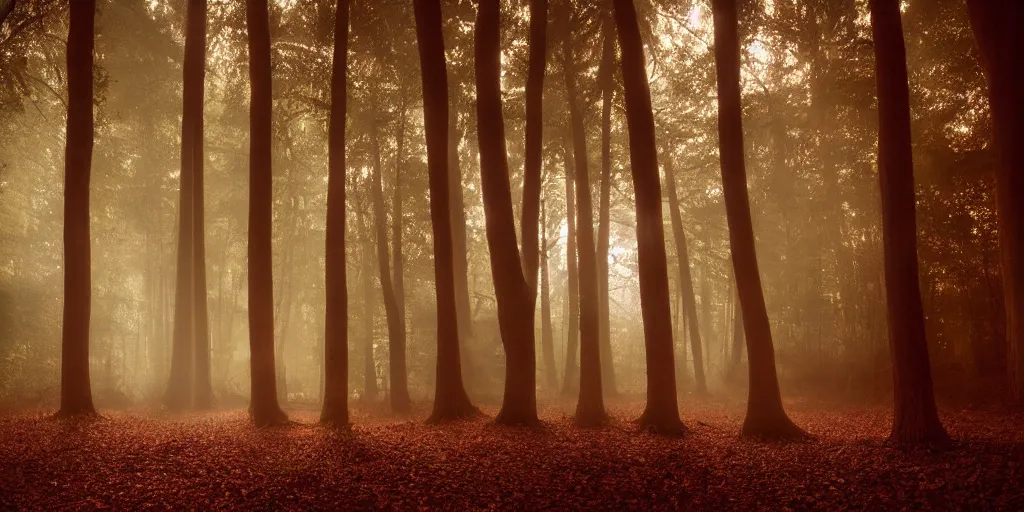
[[606, 81], [765, 416], [689, 299], [662, 412], [915, 419], [996, 26], [203, 386], [590, 407], [264, 407], [570, 373], [514, 298], [534, 139], [450, 398], [370, 389], [546, 332], [335, 406], [75, 390]]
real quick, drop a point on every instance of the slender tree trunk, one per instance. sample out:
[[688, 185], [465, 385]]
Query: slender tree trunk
[[335, 406], [916, 419], [370, 388], [662, 413], [75, 391], [398, 257], [590, 407], [606, 78], [534, 138], [546, 332], [399, 387], [996, 27], [688, 299], [765, 415], [464, 310], [264, 406], [512, 291], [450, 398], [737, 334], [569, 378]]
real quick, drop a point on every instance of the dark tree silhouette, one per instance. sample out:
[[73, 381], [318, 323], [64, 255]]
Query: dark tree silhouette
[[203, 387], [335, 406], [75, 390], [590, 407], [534, 139], [264, 406], [460, 250], [916, 419], [765, 416], [570, 372], [662, 412], [689, 300], [515, 300], [606, 79], [546, 332], [450, 399], [996, 27]]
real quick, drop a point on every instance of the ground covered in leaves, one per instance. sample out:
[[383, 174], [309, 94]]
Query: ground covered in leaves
[[141, 460]]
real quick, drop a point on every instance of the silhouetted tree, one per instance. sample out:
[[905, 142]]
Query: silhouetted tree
[[570, 382], [75, 390], [335, 406], [450, 399], [606, 80], [662, 412], [203, 387], [534, 139], [546, 332], [264, 406], [765, 415], [916, 419], [514, 298]]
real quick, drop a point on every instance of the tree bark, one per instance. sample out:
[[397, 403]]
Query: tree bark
[[571, 370], [534, 139], [450, 398], [590, 407], [662, 412], [514, 298], [397, 372], [75, 391], [264, 406], [765, 416], [996, 27], [916, 419], [606, 78], [687, 295]]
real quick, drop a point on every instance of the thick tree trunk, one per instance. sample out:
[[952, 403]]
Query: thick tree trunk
[[335, 406], [264, 406], [450, 398], [662, 413], [688, 299], [515, 303], [75, 391], [569, 378], [534, 139], [765, 416], [546, 332], [399, 387], [916, 419], [203, 386], [996, 27], [590, 407], [464, 310], [606, 78]]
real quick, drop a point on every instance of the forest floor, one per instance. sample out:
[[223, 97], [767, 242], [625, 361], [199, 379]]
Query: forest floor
[[217, 460]]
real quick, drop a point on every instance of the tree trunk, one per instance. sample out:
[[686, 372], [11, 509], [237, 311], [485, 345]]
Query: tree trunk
[[590, 407], [996, 27], [546, 332], [264, 406], [569, 379], [464, 310], [534, 139], [399, 387], [450, 398], [370, 389], [75, 391], [398, 257], [765, 415], [689, 300], [915, 419], [335, 406], [662, 412], [606, 78], [737, 335], [514, 298]]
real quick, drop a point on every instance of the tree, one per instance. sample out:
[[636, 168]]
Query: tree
[[335, 406], [75, 390], [590, 407], [459, 246], [450, 398], [572, 300], [512, 291], [662, 412], [765, 415], [264, 407], [534, 139], [203, 387], [689, 300], [996, 27], [606, 79], [915, 419], [546, 332]]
